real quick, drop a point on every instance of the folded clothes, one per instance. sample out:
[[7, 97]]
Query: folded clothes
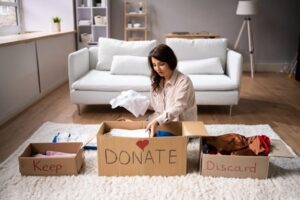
[[54, 154], [62, 136], [140, 133], [163, 134], [236, 144]]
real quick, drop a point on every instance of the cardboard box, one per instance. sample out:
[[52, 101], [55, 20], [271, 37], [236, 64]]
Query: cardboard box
[[166, 156], [29, 165], [241, 166]]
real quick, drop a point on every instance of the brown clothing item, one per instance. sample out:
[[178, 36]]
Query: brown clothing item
[[236, 144]]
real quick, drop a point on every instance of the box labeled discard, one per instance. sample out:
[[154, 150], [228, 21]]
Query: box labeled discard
[[62, 165], [241, 166], [166, 156]]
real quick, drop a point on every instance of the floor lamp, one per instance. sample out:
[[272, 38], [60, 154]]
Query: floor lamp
[[247, 8]]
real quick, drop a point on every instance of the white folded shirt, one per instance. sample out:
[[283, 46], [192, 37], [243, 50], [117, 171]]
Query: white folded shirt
[[139, 133]]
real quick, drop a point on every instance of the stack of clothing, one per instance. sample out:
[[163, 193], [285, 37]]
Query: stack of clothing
[[236, 144]]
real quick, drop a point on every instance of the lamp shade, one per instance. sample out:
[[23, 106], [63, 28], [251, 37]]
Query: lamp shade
[[247, 8]]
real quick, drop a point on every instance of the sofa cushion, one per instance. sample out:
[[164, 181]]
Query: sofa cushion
[[130, 65], [192, 49], [213, 83], [109, 47], [96, 80], [202, 66]]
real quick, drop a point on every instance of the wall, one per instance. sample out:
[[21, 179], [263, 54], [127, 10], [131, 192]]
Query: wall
[[275, 29], [37, 14]]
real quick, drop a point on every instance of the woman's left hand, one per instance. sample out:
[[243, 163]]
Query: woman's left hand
[[152, 127]]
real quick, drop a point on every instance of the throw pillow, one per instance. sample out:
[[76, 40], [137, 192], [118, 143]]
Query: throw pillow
[[109, 47], [193, 49], [203, 66], [130, 65]]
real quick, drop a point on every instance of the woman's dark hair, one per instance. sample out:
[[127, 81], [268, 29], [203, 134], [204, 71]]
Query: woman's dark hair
[[162, 53]]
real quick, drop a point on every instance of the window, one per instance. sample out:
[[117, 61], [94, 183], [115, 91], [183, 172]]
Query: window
[[9, 17]]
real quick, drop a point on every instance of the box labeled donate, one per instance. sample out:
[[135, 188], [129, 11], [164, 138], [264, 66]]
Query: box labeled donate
[[242, 166], [166, 156], [63, 165]]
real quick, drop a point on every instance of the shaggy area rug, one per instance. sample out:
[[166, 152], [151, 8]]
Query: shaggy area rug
[[283, 181]]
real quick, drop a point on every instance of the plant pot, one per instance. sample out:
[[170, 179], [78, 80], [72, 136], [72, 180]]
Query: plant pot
[[55, 27]]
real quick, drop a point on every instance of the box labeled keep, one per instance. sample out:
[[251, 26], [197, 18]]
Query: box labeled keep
[[165, 156], [62, 165]]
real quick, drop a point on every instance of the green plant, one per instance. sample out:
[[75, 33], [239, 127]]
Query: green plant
[[56, 19]]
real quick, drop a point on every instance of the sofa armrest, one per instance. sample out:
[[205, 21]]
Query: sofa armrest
[[78, 65], [234, 66]]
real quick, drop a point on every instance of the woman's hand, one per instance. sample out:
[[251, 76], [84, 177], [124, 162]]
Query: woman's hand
[[152, 127]]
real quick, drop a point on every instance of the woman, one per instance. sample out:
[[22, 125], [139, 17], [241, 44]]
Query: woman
[[172, 93]]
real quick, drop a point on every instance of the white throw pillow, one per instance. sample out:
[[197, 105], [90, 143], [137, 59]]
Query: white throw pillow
[[203, 66], [109, 47], [130, 65], [195, 49]]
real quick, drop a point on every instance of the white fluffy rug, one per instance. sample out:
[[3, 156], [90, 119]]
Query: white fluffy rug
[[284, 181]]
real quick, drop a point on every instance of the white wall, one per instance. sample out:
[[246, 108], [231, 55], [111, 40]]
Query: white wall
[[37, 14]]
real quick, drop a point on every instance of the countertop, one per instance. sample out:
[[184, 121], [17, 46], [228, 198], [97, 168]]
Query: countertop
[[27, 37]]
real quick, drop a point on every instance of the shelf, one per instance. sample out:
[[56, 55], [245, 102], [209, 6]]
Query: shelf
[[135, 39], [136, 29], [94, 7], [135, 14], [134, 2], [104, 26], [95, 30]]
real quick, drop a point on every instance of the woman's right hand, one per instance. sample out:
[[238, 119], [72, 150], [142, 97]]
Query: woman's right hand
[[151, 127]]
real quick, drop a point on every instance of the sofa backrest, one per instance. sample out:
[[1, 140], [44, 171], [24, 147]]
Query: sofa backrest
[[93, 52], [193, 49]]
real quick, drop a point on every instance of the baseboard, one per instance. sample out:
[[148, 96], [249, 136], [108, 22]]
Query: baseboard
[[268, 67]]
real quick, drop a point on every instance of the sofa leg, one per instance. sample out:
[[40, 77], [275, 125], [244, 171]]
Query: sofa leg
[[230, 110], [78, 109]]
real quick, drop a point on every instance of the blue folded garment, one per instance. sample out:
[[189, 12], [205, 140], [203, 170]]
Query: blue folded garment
[[163, 134]]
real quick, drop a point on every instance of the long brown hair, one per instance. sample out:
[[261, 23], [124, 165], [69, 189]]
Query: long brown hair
[[162, 53]]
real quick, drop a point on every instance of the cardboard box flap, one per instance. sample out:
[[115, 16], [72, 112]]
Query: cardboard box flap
[[193, 128], [279, 149]]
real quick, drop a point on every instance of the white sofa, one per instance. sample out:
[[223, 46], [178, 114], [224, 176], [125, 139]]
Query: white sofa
[[93, 82]]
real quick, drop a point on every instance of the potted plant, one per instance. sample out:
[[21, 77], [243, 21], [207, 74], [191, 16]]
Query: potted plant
[[56, 24]]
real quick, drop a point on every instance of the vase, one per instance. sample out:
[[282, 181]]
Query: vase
[[55, 27]]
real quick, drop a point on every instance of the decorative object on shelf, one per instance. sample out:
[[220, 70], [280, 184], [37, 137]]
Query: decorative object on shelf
[[89, 3], [98, 3], [100, 20], [141, 8], [247, 8], [85, 37], [84, 23], [56, 24], [136, 25]]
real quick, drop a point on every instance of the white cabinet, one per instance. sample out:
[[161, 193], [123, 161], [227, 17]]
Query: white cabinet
[[92, 21], [53, 60], [19, 82], [31, 69]]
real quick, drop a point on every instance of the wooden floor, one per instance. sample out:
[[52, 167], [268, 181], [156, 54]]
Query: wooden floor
[[269, 98]]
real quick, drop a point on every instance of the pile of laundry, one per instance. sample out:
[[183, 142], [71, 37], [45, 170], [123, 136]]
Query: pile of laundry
[[236, 144]]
